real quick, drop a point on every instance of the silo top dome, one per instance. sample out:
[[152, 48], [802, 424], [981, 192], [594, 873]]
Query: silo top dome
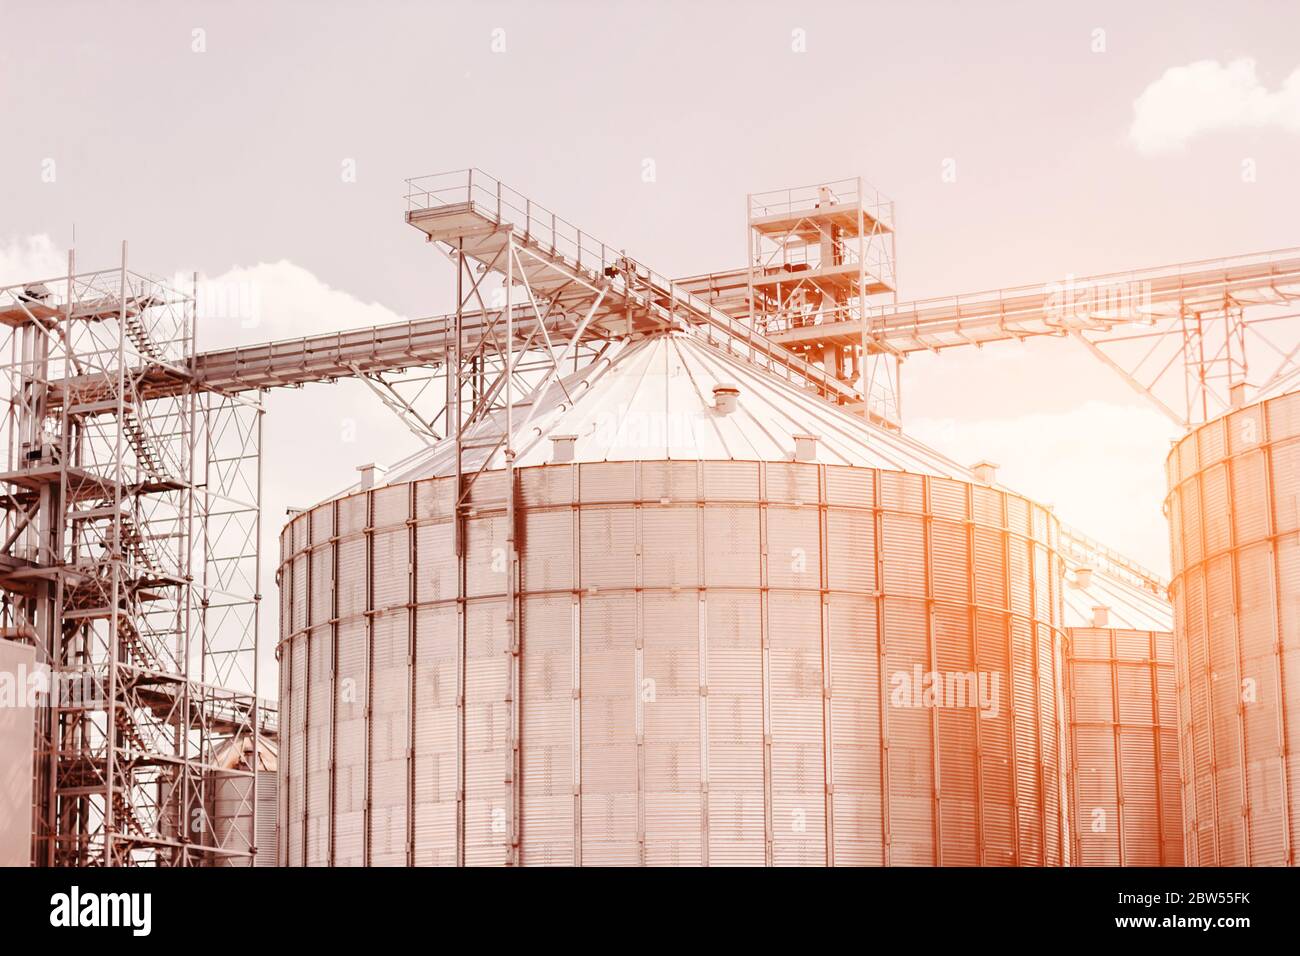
[[656, 398]]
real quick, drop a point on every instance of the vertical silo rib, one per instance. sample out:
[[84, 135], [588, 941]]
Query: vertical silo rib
[[972, 617], [765, 679], [878, 601], [286, 746], [1275, 609], [575, 625], [927, 565], [1070, 702], [703, 618], [306, 697], [412, 600], [1008, 625], [1056, 656], [1117, 747], [1243, 746], [1037, 682], [1203, 568], [638, 662], [1158, 763], [828, 685], [334, 671], [368, 536]]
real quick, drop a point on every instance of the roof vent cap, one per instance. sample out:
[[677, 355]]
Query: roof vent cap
[[1101, 616], [1083, 577], [368, 474], [986, 472], [805, 447], [725, 398], [562, 448]]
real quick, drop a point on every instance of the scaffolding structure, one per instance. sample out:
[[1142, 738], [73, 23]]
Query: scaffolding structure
[[130, 562], [826, 253]]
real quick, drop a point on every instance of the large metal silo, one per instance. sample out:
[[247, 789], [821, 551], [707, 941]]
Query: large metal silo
[[1234, 513], [755, 630], [1122, 716]]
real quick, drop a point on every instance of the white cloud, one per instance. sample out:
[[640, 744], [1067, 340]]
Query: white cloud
[[28, 258], [275, 300], [1100, 465], [1207, 96]]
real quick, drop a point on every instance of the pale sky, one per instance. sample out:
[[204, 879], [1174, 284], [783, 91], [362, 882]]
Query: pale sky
[[1086, 138]]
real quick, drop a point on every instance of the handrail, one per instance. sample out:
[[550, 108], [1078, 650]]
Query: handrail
[[487, 196]]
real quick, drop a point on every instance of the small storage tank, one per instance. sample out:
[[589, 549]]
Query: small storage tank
[[754, 630], [1234, 515], [1122, 713], [231, 787]]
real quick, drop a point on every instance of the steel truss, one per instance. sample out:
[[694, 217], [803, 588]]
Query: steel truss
[[1194, 338], [102, 569], [826, 253]]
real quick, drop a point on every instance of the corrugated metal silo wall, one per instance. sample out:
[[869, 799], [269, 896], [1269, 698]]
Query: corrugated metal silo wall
[[233, 818], [715, 664], [1234, 538], [1124, 789]]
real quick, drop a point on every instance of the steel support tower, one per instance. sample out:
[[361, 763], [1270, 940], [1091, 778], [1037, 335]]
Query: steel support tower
[[826, 253], [130, 543]]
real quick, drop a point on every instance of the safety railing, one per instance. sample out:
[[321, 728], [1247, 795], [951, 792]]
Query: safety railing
[[817, 196], [544, 231]]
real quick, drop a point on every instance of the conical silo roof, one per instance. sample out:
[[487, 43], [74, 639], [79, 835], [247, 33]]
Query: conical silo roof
[[654, 399], [1129, 606]]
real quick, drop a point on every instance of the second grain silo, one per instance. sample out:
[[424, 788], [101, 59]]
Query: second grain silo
[[1234, 514], [244, 810], [1121, 712], [755, 630]]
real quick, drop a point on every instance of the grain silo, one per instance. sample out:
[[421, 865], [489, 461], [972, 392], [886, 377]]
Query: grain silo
[[241, 809], [1234, 516], [1122, 715], [755, 630]]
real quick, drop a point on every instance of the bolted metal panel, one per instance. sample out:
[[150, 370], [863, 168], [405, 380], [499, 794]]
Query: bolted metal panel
[[1232, 507], [320, 651], [389, 721], [798, 745], [485, 830], [1123, 736], [350, 695], [232, 816], [669, 702], [609, 770], [722, 662], [434, 743], [547, 735], [297, 734], [735, 729]]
